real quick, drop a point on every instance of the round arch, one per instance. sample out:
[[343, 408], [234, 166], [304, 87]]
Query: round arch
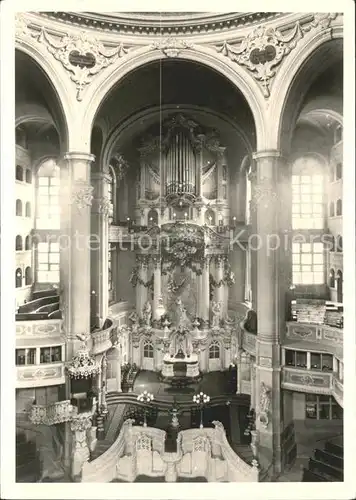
[[60, 90], [294, 75], [128, 125], [232, 72]]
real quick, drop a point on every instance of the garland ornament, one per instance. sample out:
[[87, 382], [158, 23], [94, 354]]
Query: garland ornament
[[261, 51]]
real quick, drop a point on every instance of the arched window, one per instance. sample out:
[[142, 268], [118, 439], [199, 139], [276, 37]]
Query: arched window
[[339, 286], [48, 206], [307, 193], [28, 276], [28, 209], [148, 349], [331, 209], [339, 207], [19, 208], [152, 218], [339, 244], [338, 134], [214, 351], [332, 278], [18, 277], [28, 243], [19, 173], [28, 176], [210, 217], [338, 171], [18, 242]]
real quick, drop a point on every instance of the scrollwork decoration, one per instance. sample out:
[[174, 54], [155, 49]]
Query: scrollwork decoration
[[83, 56]]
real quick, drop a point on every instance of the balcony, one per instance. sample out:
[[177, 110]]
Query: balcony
[[40, 375], [249, 342], [310, 381], [56, 413], [37, 332], [314, 337], [102, 339]]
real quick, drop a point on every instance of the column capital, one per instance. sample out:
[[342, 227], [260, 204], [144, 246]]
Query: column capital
[[267, 153], [78, 156]]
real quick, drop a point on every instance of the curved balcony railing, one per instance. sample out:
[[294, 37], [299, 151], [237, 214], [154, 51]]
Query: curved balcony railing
[[55, 413], [102, 338], [315, 382], [321, 334], [140, 450], [38, 329]]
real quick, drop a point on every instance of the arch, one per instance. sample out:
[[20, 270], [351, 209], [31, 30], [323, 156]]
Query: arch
[[147, 116], [28, 209], [49, 68], [148, 350], [152, 217], [209, 217], [214, 350], [28, 242], [339, 244], [339, 207], [28, 276], [18, 243], [19, 173], [244, 82], [18, 277], [332, 278], [297, 71], [19, 208]]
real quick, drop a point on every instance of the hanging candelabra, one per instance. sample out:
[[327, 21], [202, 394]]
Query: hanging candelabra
[[201, 399], [145, 397]]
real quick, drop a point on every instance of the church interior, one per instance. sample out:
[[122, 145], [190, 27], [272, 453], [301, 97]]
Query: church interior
[[179, 247]]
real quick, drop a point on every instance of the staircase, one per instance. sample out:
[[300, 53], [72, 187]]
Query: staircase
[[326, 465]]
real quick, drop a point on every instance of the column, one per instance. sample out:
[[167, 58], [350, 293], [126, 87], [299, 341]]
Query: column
[[101, 210], [219, 277], [156, 286], [141, 290], [118, 368], [75, 251], [104, 366], [269, 418], [238, 372], [205, 299], [76, 200], [199, 281], [252, 242]]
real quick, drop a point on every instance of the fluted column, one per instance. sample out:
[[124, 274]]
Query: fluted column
[[238, 372], [118, 368], [199, 282], [269, 310], [156, 286], [77, 195], [205, 300], [101, 210]]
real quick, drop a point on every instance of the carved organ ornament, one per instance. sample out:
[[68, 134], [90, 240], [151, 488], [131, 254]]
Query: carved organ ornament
[[181, 164]]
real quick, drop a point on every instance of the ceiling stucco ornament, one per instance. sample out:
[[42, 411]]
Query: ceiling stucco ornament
[[21, 27], [82, 194], [261, 51], [322, 20], [171, 46], [82, 55]]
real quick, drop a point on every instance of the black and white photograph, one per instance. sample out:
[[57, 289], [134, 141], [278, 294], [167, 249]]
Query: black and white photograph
[[178, 250]]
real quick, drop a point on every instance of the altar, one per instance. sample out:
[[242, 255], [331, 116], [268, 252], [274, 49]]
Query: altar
[[180, 366]]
